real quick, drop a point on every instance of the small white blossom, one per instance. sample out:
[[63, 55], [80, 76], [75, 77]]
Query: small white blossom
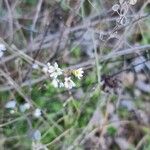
[[54, 71], [11, 104], [61, 84], [55, 82], [36, 135], [115, 7], [124, 9], [35, 66], [132, 2], [69, 84], [24, 107], [37, 113], [45, 69], [12, 111], [78, 73], [2, 47]]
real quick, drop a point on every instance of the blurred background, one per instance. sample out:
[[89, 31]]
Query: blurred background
[[109, 108]]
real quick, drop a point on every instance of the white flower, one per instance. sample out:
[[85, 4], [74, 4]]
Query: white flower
[[55, 82], [35, 66], [132, 2], [115, 7], [2, 47], [36, 135], [45, 69], [69, 84], [54, 71], [12, 111], [37, 113], [78, 73], [11, 104], [24, 107], [61, 84]]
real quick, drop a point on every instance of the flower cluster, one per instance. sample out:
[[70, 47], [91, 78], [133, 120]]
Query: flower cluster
[[2, 49], [122, 9], [61, 78], [14, 107]]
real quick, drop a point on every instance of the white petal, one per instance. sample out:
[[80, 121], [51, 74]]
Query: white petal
[[115, 7], [27, 105], [37, 135], [35, 66], [11, 104], [55, 65], [55, 83], [124, 9], [54, 75], [24, 107], [37, 113], [132, 2], [51, 69], [69, 84], [48, 64], [2, 47], [61, 85], [45, 69], [12, 111]]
